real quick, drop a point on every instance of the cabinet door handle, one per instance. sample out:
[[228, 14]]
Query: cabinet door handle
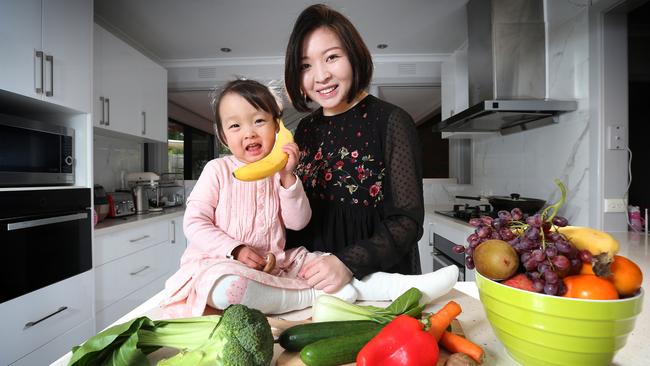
[[138, 239], [144, 122], [46, 221], [31, 324], [50, 59], [38, 87], [173, 231], [107, 121], [140, 270], [101, 119]]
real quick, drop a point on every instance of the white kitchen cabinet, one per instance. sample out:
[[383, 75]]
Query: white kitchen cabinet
[[425, 244], [46, 50], [177, 239], [43, 316], [130, 90], [154, 100], [132, 264], [454, 84], [50, 352]]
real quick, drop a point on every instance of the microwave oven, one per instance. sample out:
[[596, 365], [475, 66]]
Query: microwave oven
[[35, 153]]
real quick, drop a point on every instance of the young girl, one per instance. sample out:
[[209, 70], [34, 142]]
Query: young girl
[[231, 224]]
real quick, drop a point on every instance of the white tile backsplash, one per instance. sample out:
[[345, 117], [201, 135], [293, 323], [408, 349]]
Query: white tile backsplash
[[112, 156]]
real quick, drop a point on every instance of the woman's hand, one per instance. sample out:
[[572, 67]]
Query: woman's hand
[[326, 273], [287, 178], [249, 257]]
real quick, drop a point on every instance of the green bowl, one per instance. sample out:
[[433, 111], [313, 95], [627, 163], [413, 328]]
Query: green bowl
[[538, 329]]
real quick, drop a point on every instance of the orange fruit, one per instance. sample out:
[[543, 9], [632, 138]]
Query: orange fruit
[[584, 286], [626, 275], [586, 269]]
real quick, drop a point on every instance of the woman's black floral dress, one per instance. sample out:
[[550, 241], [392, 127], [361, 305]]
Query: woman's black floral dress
[[361, 170]]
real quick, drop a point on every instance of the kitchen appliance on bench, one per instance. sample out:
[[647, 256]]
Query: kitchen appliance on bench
[[145, 189], [171, 190], [120, 204]]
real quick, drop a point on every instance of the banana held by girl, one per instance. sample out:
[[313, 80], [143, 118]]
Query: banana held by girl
[[270, 164]]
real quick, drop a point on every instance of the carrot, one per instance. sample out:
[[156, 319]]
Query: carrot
[[455, 343], [439, 321]]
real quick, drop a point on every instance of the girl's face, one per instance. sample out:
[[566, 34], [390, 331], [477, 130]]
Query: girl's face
[[249, 132], [326, 71]]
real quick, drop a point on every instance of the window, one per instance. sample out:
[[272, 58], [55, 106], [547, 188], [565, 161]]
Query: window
[[188, 149]]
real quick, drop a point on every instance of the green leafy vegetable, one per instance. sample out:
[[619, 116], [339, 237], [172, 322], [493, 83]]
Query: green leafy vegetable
[[241, 336], [330, 308]]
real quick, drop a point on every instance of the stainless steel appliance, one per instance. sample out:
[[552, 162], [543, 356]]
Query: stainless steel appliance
[[171, 191], [145, 188], [45, 236], [120, 204], [506, 54], [35, 153], [452, 231]]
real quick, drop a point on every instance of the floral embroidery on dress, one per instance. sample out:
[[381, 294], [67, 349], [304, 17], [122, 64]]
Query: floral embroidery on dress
[[346, 169]]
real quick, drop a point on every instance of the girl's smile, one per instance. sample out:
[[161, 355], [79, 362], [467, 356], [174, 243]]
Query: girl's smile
[[249, 132]]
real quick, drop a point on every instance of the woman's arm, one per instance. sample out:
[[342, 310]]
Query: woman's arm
[[401, 227]]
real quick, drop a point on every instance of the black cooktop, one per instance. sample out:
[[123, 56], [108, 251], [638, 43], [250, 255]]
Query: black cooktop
[[466, 212]]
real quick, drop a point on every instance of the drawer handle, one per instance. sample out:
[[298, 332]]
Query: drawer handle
[[140, 270], [138, 239], [31, 324], [46, 221]]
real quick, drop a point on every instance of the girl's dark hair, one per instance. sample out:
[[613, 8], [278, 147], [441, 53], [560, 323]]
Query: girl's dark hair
[[255, 93], [310, 19]]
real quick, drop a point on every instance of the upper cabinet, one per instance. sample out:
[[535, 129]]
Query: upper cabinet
[[45, 50], [130, 90]]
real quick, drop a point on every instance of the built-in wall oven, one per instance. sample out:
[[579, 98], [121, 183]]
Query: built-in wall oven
[[35, 153], [45, 236]]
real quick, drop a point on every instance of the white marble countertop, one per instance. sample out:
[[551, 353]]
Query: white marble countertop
[[473, 319], [120, 223]]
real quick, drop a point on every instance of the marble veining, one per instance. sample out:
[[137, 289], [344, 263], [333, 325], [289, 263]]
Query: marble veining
[[111, 157]]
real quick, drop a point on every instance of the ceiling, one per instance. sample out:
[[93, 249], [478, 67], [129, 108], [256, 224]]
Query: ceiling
[[186, 38]]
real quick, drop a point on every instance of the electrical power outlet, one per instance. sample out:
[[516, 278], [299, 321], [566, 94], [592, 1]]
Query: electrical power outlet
[[615, 204], [616, 137]]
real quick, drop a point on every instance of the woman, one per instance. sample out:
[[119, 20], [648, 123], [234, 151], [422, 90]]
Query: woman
[[360, 157]]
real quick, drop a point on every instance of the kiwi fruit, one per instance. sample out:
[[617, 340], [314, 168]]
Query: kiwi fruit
[[496, 259]]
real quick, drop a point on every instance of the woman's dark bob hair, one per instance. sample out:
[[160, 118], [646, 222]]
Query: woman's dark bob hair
[[310, 19], [255, 93]]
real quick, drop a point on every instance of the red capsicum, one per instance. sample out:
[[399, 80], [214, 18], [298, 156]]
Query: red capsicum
[[402, 342]]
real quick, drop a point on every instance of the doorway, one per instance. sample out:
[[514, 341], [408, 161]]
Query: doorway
[[610, 88], [638, 36]]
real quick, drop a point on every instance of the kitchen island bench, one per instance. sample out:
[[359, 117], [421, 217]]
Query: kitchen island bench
[[473, 319]]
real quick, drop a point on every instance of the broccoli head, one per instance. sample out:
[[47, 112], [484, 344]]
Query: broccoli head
[[246, 336]]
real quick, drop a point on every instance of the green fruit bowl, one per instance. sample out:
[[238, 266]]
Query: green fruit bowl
[[538, 329]]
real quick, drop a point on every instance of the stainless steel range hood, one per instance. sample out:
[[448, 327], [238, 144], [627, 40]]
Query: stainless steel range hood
[[506, 53]]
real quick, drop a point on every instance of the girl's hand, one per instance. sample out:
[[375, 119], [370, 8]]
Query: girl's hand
[[287, 178], [249, 257], [326, 273]]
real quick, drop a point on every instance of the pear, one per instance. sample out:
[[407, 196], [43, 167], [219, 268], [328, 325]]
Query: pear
[[496, 259]]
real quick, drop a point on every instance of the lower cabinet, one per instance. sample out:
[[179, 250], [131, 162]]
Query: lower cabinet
[[43, 325], [133, 264]]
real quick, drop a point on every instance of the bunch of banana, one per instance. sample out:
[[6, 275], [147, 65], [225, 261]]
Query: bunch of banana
[[601, 245], [270, 164]]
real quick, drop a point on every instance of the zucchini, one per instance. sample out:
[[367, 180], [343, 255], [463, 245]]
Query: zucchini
[[297, 337], [336, 350]]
